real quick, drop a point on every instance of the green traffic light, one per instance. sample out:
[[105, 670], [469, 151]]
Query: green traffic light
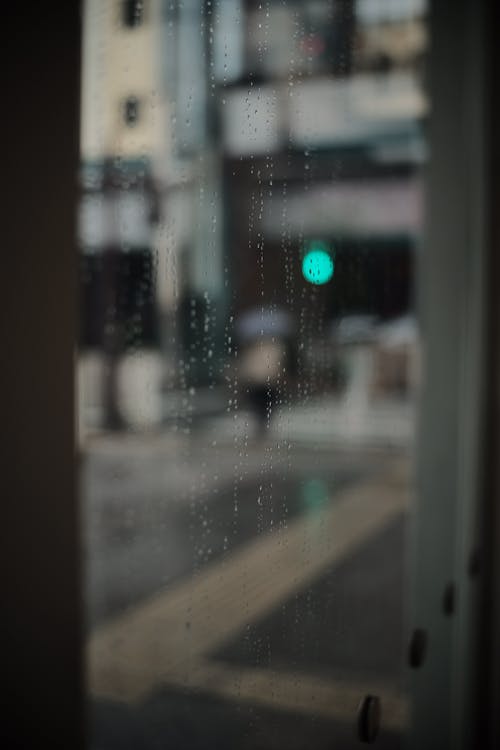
[[318, 265]]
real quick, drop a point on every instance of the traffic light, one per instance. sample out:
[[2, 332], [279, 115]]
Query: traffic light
[[318, 263]]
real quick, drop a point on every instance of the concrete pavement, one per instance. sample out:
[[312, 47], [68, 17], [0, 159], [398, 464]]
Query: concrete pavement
[[195, 546]]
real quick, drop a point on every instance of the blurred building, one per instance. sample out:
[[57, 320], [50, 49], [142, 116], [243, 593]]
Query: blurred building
[[121, 99], [219, 141], [321, 108], [122, 158]]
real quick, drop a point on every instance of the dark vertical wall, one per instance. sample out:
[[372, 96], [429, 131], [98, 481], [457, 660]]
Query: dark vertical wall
[[40, 590], [489, 559], [452, 293]]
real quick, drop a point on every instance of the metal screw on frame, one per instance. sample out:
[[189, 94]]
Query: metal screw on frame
[[417, 650], [369, 714], [474, 563], [449, 598]]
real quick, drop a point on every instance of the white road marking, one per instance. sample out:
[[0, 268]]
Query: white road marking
[[295, 692]]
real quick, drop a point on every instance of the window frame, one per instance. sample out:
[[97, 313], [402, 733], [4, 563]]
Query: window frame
[[42, 554]]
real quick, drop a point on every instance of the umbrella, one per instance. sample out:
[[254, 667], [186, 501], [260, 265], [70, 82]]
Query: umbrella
[[264, 321]]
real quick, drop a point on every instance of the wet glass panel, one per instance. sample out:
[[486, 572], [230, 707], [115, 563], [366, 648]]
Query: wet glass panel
[[248, 367]]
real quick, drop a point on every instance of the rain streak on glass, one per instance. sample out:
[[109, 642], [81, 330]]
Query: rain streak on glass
[[249, 216]]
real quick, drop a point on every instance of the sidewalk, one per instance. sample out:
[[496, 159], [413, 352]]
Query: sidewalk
[[327, 420], [350, 420]]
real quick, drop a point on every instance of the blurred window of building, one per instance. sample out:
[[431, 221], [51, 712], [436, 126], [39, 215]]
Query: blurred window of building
[[294, 38], [375, 11], [132, 13], [131, 111]]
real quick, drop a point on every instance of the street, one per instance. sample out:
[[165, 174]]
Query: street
[[242, 592]]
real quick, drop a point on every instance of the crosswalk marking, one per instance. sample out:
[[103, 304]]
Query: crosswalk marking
[[294, 691], [167, 639]]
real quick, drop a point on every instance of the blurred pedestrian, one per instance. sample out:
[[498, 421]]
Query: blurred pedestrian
[[260, 368], [265, 362]]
